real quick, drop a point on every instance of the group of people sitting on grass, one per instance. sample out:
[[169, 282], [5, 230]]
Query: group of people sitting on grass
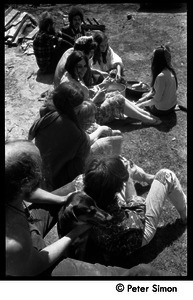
[[73, 158]]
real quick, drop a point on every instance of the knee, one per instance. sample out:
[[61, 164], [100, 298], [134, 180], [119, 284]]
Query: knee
[[164, 175]]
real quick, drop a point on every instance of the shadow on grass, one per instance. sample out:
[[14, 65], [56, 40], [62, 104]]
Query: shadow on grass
[[163, 238], [45, 78], [128, 125]]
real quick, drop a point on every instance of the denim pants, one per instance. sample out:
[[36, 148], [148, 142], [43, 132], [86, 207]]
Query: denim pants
[[165, 186]]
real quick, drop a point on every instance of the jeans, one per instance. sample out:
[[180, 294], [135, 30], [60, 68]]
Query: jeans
[[165, 185]]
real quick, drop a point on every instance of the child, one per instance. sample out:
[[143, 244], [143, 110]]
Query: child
[[86, 116], [103, 139]]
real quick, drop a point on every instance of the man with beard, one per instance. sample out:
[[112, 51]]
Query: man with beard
[[74, 30]]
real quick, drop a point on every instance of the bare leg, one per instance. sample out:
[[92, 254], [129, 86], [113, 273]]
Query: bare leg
[[133, 111]]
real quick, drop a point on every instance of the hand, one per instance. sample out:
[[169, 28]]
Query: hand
[[124, 161], [116, 132], [135, 172], [105, 130], [107, 81], [100, 95], [118, 77]]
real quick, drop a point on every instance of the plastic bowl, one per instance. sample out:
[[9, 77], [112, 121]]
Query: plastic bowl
[[115, 86], [136, 92]]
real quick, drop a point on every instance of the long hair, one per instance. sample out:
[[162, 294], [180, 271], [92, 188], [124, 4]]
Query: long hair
[[72, 61], [65, 98], [75, 11], [99, 37], [103, 178], [23, 168], [44, 22], [161, 59]]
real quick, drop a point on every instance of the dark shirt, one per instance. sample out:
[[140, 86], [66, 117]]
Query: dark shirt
[[43, 46], [63, 147], [70, 31]]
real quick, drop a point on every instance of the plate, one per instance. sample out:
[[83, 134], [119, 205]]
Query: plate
[[137, 91]]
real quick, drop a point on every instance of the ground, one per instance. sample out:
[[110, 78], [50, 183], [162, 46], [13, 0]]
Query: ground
[[151, 147]]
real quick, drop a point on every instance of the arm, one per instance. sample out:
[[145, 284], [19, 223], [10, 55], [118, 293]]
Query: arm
[[22, 259], [146, 103], [118, 75], [42, 196], [145, 98], [159, 87], [130, 190]]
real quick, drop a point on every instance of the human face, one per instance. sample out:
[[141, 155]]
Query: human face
[[103, 45], [81, 68], [76, 22]]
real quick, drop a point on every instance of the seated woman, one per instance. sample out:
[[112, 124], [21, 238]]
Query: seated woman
[[162, 98], [110, 105], [105, 59], [87, 46], [135, 219]]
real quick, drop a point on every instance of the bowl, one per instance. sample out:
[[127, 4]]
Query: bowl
[[115, 86], [138, 91]]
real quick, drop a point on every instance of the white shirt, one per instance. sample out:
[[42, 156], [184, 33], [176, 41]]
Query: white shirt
[[165, 90]]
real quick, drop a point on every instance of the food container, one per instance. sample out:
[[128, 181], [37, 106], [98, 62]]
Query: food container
[[115, 86], [136, 91]]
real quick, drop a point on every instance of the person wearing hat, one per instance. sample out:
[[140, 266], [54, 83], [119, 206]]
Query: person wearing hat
[[74, 30]]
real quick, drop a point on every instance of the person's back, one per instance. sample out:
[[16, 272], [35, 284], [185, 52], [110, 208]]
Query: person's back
[[165, 88], [60, 69], [43, 49], [65, 143]]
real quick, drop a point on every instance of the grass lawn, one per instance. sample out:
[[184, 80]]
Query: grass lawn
[[153, 148]]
